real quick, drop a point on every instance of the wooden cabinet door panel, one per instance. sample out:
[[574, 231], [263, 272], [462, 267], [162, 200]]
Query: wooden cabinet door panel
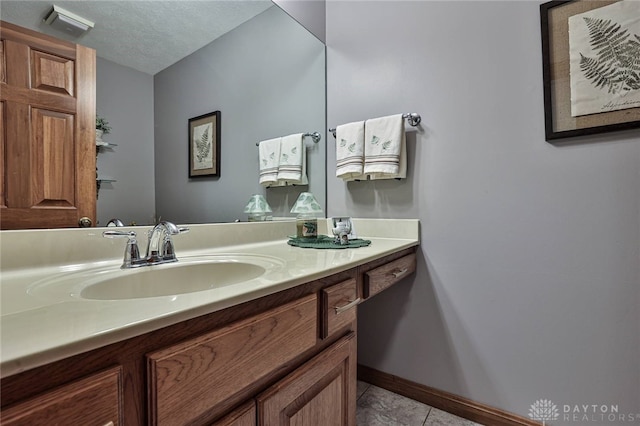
[[95, 400], [204, 377], [48, 107], [243, 416], [321, 392], [3, 162]]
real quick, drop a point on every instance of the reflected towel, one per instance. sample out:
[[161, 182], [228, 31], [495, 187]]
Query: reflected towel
[[269, 157], [292, 169], [350, 151], [385, 153]]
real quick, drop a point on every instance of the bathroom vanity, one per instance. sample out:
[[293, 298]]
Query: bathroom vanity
[[279, 348]]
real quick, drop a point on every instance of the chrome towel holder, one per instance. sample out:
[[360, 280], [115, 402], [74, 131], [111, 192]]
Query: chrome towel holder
[[412, 117], [315, 136]]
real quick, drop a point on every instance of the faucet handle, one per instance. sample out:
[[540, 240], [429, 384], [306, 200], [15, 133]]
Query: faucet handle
[[131, 251], [168, 253], [119, 234]]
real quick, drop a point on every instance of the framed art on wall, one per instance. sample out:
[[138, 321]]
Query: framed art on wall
[[591, 66], [204, 145]]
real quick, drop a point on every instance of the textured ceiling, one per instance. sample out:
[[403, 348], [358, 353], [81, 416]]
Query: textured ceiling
[[147, 35]]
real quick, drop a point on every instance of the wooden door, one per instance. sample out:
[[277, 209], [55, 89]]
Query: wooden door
[[321, 392], [47, 131]]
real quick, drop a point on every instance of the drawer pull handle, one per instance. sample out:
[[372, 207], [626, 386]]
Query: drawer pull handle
[[341, 309], [400, 272], [109, 424]]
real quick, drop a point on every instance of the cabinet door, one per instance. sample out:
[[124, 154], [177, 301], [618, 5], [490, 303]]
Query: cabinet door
[[245, 415], [93, 401], [47, 119], [201, 378], [321, 392]]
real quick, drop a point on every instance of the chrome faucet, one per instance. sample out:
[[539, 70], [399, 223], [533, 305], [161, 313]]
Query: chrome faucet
[[115, 222], [159, 246]]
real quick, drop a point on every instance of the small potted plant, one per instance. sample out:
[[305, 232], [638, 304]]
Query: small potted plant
[[102, 128]]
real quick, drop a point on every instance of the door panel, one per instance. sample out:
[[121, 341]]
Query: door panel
[[321, 392], [52, 150]]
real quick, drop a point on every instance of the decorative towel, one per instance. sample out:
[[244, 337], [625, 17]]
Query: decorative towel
[[269, 157], [350, 151], [292, 169], [385, 153]]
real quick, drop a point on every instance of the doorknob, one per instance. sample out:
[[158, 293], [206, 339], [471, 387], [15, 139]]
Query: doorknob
[[84, 222]]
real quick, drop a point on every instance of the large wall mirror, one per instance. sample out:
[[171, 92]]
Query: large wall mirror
[[262, 70]]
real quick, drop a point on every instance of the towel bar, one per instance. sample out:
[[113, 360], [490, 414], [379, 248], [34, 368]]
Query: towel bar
[[315, 136], [413, 118]]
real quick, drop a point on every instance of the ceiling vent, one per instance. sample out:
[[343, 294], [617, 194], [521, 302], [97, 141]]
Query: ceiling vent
[[68, 22]]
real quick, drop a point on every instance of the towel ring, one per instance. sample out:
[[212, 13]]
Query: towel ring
[[412, 117], [315, 136]]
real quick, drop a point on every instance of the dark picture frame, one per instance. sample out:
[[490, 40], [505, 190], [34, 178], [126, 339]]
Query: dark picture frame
[[559, 123], [204, 145]]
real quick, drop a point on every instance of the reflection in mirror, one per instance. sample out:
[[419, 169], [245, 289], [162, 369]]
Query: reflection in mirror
[[266, 76]]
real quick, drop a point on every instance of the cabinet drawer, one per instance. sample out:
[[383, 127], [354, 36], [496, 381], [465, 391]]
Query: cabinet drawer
[[338, 306], [205, 376], [388, 274], [94, 400]]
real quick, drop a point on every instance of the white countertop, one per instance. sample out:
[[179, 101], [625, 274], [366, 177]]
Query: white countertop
[[38, 328]]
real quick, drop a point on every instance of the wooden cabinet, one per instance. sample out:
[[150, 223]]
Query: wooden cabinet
[[245, 415], [339, 303], [321, 392], [288, 358], [94, 400], [203, 377], [47, 127], [384, 276]]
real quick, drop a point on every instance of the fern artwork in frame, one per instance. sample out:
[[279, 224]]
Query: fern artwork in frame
[[204, 145], [591, 66]]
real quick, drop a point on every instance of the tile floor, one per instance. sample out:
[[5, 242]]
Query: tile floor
[[379, 407]]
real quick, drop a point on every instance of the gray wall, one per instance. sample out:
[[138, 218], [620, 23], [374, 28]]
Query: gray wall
[[267, 79], [309, 13], [124, 97], [528, 282]]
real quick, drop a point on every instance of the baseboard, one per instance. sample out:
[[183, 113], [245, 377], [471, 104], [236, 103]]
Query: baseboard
[[442, 400]]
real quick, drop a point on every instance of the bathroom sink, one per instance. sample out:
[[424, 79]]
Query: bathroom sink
[[188, 275], [174, 279]]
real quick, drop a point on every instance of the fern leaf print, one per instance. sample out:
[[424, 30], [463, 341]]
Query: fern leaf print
[[202, 147], [604, 58], [386, 145], [375, 140], [343, 142], [352, 147]]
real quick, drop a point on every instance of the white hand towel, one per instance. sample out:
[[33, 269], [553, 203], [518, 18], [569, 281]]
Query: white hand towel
[[292, 168], [385, 151], [350, 151], [269, 157]]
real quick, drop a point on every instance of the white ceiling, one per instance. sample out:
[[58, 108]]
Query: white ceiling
[[147, 35]]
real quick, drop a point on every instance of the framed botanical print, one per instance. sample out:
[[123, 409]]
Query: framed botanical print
[[204, 145], [591, 66]]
